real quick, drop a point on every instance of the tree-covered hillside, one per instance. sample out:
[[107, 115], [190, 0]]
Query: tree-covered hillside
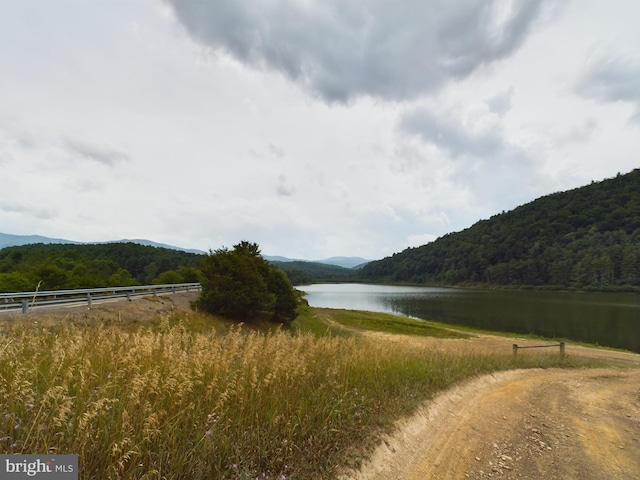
[[301, 273], [61, 266], [588, 237]]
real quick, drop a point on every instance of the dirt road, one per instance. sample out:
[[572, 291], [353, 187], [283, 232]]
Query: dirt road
[[523, 424]]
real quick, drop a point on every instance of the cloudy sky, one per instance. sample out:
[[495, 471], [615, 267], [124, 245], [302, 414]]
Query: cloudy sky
[[314, 128]]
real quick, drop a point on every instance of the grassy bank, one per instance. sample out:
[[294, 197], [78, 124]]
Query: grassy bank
[[176, 399]]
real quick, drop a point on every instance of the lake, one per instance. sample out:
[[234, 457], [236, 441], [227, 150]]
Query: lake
[[609, 319]]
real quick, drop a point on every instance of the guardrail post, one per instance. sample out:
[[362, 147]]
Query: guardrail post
[[25, 306], [561, 349], [129, 296], [515, 350], [89, 300]]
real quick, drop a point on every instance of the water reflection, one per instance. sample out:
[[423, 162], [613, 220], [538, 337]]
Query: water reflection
[[610, 319]]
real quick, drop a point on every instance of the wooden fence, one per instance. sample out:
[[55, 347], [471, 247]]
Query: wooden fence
[[516, 347]]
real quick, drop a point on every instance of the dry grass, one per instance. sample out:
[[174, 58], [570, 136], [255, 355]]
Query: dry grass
[[174, 400]]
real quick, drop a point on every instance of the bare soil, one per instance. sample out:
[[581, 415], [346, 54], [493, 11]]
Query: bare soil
[[138, 309], [520, 424]]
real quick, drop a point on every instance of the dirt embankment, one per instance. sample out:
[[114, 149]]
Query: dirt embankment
[[521, 424]]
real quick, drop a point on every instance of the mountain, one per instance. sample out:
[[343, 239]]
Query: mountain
[[149, 243], [277, 258], [9, 240], [333, 269], [303, 272], [585, 238], [345, 262]]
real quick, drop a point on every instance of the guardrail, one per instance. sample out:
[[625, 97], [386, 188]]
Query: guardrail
[[24, 301]]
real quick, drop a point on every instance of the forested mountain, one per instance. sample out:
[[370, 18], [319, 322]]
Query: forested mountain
[[61, 266], [10, 240], [301, 272], [584, 238]]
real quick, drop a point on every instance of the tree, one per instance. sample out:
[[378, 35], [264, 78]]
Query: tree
[[15, 282], [170, 276], [240, 284], [122, 278], [284, 310]]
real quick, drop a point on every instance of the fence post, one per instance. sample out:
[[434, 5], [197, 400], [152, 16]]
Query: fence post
[[515, 350], [25, 306], [89, 300], [561, 349]]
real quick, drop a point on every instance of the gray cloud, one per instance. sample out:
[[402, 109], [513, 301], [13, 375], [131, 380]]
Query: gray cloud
[[105, 156], [610, 78], [449, 135], [500, 104], [342, 50], [483, 163], [283, 188], [30, 210], [276, 151]]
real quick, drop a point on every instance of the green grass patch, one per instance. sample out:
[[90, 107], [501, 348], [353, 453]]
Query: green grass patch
[[387, 323]]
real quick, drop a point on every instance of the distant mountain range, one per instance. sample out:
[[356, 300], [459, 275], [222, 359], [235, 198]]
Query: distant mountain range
[[345, 262], [9, 240]]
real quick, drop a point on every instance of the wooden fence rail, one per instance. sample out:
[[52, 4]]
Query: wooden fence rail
[[516, 348]]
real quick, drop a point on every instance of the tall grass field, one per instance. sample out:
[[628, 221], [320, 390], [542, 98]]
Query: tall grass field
[[176, 400]]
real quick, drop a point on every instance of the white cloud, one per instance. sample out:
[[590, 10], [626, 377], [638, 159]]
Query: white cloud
[[313, 128]]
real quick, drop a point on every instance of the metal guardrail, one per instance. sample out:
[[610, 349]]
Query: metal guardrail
[[24, 301]]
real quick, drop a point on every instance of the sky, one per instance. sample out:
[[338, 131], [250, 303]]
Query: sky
[[313, 128]]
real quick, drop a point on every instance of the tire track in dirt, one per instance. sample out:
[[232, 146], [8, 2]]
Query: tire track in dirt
[[519, 424]]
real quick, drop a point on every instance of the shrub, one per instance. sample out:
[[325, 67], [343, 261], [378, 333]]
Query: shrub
[[240, 284]]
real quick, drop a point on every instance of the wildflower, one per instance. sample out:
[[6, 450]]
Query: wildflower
[[14, 445], [16, 427], [4, 439], [30, 406], [208, 432]]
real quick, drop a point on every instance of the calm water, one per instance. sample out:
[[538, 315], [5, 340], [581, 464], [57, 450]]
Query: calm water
[[611, 319]]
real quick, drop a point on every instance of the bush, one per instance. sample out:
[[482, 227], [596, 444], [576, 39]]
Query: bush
[[240, 284]]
